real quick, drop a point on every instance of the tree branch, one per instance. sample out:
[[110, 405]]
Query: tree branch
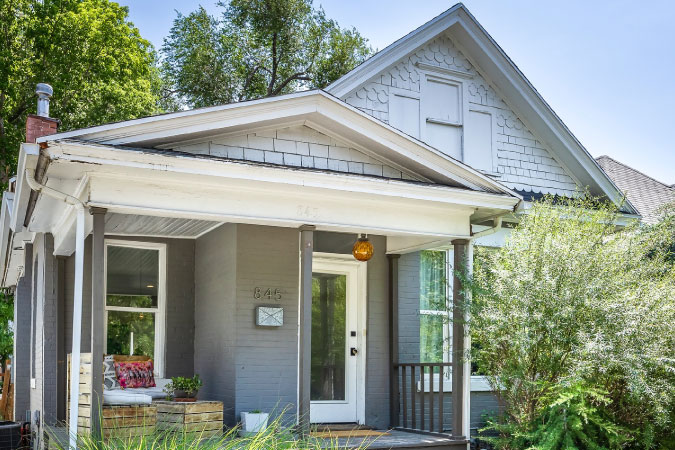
[[295, 76], [275, 63]]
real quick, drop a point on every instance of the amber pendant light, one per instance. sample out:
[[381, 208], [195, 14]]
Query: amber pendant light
[[363, 249]]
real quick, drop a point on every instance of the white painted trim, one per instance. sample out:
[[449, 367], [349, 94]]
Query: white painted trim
[[479, 383], [83, 153], [443, 70], [336, 259], [159, 359]]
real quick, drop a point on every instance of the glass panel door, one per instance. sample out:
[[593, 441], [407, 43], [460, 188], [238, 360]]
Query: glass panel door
[[336, 343], [329, 330]]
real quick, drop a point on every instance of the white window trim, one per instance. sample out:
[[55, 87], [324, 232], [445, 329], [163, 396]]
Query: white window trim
[[426, 75], [160, 311], [495, 154], [479, 383]]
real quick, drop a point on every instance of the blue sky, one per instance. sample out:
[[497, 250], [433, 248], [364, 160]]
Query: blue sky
[[606, 67]]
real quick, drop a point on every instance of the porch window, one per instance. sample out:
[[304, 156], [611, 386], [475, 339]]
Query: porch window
[[135, 300], [434, 311]]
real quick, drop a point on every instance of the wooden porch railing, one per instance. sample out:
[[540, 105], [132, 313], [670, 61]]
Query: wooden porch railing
[[420, 407]]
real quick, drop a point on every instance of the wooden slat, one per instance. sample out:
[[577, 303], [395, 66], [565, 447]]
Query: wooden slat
[[404, 394], [440, 400], [413, 395], [422, 411], [191, 418], [190, 427], [431, 399]]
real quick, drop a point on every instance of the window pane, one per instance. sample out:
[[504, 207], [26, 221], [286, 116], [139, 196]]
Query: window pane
[[431, 338], [131, 333], [132, 277], [329, 331], [433, 283]]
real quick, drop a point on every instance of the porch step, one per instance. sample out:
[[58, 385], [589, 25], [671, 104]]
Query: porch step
[[328, 427]]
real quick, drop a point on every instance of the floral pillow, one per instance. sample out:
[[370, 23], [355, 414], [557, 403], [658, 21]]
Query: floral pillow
[[135, 374], [109, 375]]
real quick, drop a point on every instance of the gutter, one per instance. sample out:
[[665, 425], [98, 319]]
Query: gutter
[[77, 301], [496, 226]]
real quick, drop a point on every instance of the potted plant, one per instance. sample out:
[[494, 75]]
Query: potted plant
[[253, 422], [183, 389]]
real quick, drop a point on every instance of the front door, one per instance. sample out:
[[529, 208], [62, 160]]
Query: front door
[[335, 342]]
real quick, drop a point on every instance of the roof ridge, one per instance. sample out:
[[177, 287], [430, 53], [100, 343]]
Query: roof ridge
[[668, 186]]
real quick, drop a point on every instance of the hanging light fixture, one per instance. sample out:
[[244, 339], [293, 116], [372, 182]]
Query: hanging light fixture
[[363, 249]]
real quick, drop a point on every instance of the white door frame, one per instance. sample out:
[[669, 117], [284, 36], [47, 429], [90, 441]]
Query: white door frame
[[342, 261]]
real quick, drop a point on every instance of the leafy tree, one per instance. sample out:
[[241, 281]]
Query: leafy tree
[[570, 301], [6, 326], [258, 48], [101, 69]]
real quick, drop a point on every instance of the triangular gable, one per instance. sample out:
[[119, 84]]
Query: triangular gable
[[298, 146], [533, 150], [317, 110]]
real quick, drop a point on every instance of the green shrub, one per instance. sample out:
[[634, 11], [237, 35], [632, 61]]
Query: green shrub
[[574, 316]]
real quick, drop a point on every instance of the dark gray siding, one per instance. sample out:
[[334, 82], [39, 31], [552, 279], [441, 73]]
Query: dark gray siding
[[22, 337], [267, 358], [377, 348], [409, 306], [215, 325]]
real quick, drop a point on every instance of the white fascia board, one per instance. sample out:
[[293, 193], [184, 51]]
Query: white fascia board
[[229, 169], [28, 156], [393, 52], [5, 232], [111, 130]]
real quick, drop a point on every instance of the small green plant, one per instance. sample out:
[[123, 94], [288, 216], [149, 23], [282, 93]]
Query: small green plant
[[189, 386], [256, 411]]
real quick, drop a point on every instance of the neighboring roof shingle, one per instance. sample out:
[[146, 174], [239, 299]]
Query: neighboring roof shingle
[[644, 192]]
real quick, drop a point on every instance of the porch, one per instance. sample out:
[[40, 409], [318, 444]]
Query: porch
[[203, 295], [390, 439]]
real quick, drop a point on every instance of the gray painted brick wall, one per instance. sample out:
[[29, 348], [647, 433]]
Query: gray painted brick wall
[[409, 306], [377, 356], [215, 325], [266, 358], [22, 336]]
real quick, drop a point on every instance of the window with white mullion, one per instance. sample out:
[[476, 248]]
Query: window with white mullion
[[434, 306], [135, 291]]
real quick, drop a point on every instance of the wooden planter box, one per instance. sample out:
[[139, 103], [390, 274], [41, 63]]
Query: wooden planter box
[[204, 418], [117, 421]]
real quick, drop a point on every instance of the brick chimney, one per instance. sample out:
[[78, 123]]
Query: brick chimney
[[40, 124]]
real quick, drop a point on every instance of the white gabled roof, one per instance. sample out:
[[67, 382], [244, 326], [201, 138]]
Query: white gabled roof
[[505, 77], [316, 109]]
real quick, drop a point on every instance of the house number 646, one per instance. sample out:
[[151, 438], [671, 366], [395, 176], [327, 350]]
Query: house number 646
[[269, 293]]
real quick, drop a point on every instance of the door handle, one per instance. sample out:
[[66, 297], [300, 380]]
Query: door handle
[[353, 351]]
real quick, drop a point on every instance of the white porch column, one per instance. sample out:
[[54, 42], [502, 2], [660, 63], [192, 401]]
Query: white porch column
[[461, 371], [77, 328], [97, 316], [305, 327]]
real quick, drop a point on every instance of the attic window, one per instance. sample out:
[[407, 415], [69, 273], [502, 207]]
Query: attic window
[[443, 114]]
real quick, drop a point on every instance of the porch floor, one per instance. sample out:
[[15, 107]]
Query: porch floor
[[399, 440], [394, 439]]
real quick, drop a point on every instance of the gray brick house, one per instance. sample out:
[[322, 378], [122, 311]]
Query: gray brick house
[[219, 240]]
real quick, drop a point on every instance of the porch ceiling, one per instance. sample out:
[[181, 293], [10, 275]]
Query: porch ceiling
[[174, 227]]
